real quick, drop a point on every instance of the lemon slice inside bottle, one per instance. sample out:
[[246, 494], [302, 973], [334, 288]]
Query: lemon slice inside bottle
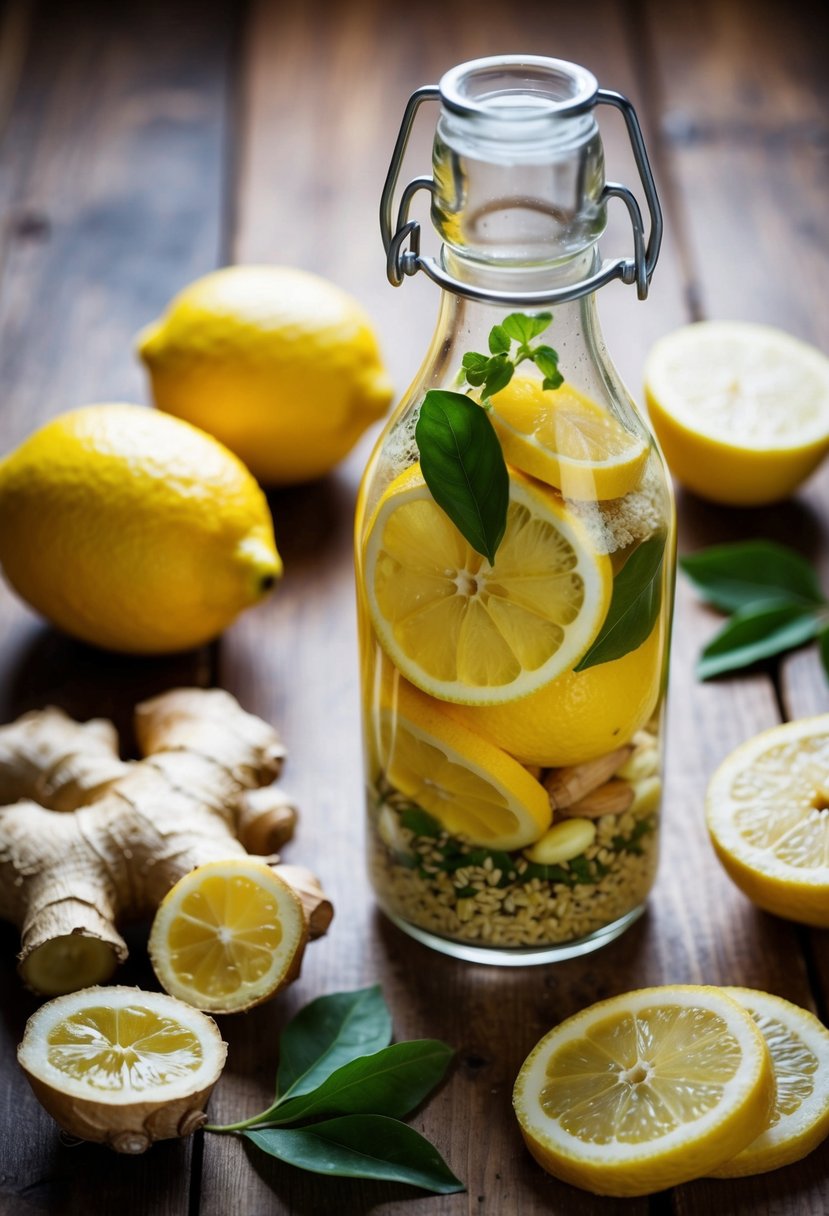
[[799, 1047], [567, 440], [646, 1090], [767, 810], [227, 936], [471, 787], [467, 631]]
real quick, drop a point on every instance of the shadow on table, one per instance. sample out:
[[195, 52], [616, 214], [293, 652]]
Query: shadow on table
[[40, 666], [795, 522]]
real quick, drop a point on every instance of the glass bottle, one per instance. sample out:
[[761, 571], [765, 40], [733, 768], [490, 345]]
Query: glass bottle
[[512, 700]]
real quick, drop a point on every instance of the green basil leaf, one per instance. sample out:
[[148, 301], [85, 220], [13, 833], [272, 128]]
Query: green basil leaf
[[327, 1033], [634, 605], [498, 374], [391, 1082], [475, 376], [361, 1146], [546, 360], [552, 381], [824, 651], [463, 466], [758, 632], [474, 361], [523, 328], [733, 576], [499, 340]]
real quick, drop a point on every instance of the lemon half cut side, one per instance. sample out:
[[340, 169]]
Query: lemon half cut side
[[645, 1090], [741, 410], [767, 810], [467, 631], [122, 1066], [228, 935]]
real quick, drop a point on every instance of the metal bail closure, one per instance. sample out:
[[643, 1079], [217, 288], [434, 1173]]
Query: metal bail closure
[[401, 239]]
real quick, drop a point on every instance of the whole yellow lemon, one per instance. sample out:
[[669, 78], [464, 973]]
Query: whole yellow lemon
[[132, 530], [279, 364]]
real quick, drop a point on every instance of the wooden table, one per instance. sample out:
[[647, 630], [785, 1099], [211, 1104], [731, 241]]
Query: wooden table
[[144, 145]]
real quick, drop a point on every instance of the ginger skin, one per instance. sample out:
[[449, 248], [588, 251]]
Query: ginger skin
[[136, 828]]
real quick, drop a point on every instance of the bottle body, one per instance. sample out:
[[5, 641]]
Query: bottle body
[[512, 710]]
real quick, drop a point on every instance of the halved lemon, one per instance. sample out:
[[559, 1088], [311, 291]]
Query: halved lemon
[[567, 440], [471, 787], [767, 810], [741, 410], [121, 1066], [799, 1047], [646, 1090], [464, 630], [228, 935]]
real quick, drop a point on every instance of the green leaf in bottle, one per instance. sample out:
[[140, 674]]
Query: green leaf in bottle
[[634, 605], [464, 468]]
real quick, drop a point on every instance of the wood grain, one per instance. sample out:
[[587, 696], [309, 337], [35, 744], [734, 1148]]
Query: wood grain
[[111, 189], [120, 180]]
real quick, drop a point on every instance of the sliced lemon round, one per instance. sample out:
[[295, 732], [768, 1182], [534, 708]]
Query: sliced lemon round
[[799, 1047], [646, 1090], [228, 935], [471, 787], [741, 410], [567, 440], [767, 810], [121, 1066], [467, 631]]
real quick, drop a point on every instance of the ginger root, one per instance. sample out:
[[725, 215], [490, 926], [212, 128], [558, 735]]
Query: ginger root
[[200, 794]]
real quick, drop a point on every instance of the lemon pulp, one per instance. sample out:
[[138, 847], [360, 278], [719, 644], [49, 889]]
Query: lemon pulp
[[467, 631], [767, 810], [567, 440], [224, 935], [123, 1048], [474, 789], [645, 1090], [228, 935], [799, 1046]]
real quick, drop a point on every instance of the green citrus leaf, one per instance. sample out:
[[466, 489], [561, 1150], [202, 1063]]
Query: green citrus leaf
[[327, 1033], [634, 605], [361, 1146], [390, 1082], [756, 632], [736, 575], [463, 466]]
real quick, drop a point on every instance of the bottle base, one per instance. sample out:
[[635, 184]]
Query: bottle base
[[519, 956]]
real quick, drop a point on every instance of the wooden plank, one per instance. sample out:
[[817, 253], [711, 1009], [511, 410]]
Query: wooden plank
[[111, 188], [743, 102]]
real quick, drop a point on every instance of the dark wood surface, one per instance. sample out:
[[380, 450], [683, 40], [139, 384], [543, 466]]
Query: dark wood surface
[[143, 145]]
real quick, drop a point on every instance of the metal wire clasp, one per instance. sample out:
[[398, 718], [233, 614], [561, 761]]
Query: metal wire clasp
[[401, 240]]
